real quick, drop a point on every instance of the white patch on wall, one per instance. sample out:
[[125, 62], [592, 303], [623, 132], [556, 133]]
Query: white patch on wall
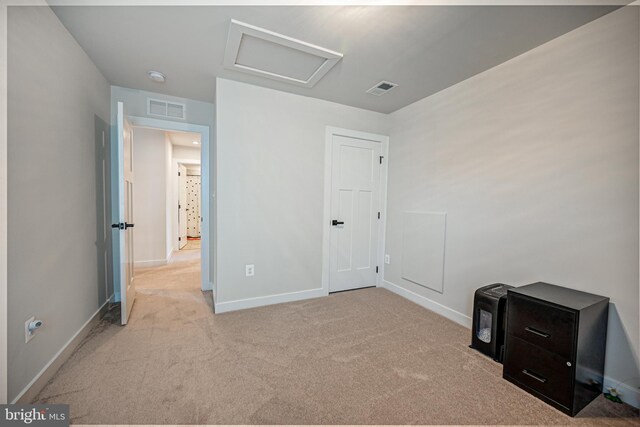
[[161, 108], [423, 244]]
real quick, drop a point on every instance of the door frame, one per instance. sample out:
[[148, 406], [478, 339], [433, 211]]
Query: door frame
[[206, 282], [330, 131]]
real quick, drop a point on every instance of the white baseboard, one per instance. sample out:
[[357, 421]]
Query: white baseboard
[[630, 395], [34, 387], [425, 302], [224, 307], [151, 263]]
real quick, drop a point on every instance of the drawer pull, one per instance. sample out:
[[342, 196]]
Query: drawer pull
[[534, 376], [537, 332]]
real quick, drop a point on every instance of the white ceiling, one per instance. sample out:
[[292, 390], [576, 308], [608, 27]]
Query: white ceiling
[[184, 138], [424, 49]]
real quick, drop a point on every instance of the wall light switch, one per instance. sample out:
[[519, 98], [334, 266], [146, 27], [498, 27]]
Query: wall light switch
[[249, 270], [387, 259]]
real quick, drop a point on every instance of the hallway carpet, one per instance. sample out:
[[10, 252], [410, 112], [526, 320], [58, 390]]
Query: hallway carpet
[[361, 357], [192, 244]]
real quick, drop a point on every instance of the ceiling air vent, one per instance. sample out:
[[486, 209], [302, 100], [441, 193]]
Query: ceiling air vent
[[381, 88], [158, 107]]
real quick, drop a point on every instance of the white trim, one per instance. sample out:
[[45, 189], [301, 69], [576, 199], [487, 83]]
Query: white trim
[[326, 216], [151, 263], [436, 307], [205, 173], [4, 320], [48, 371], [382, 224], [630, 395], [237, 29], [224, 307]]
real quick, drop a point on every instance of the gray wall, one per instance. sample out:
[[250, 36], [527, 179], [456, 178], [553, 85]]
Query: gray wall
[[536, 164], [270, 189], [54, 95]]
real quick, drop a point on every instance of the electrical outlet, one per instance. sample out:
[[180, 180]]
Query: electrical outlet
[[28, 335], [249, 270], [387, 259]]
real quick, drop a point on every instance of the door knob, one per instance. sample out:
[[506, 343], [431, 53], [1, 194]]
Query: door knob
[[119, 225], [127, 225], [336, 222]]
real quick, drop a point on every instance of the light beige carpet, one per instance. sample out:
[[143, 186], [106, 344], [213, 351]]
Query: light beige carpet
[[361, 357], [192, 244]]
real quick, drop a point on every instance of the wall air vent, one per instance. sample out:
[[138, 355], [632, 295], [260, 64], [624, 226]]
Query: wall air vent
[[381, 88], [172, 110], [263, 53]]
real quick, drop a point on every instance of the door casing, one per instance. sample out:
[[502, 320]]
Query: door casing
[[169, 125], [330, 131]]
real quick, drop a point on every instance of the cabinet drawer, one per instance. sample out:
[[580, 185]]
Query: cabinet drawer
[[542, 324], [538, 370]]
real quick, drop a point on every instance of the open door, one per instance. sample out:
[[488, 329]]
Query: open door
[[182, 206], [122, 194]]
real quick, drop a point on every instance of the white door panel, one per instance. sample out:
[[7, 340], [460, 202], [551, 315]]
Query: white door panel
[[123, 235], [355, 202]]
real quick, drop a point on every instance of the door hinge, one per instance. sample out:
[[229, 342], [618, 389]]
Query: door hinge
[[381, 157], [178, 173], [378, 215], [376, 269], [179, 239]]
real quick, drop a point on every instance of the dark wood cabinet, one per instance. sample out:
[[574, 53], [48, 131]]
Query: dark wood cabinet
[[555, 344]]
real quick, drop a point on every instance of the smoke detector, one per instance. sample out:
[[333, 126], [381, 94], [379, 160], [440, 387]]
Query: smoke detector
[[156, 76], [381, 88]]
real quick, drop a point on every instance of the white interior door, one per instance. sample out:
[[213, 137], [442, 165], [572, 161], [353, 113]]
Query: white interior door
[[355, 203], [123, 200], [182, 206]]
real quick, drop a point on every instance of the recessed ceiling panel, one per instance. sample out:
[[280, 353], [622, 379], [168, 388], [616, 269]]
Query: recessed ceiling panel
[[261, 52], [277, 59]]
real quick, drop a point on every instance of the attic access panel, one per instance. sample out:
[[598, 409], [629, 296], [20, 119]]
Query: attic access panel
[[263, 53]]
